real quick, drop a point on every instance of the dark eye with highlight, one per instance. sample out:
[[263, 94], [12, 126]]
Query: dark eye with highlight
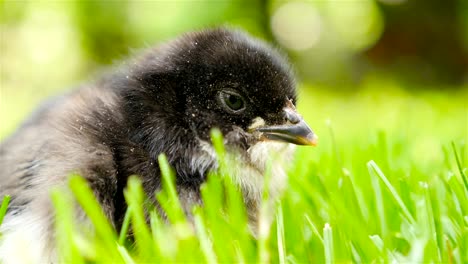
[[232, 100]]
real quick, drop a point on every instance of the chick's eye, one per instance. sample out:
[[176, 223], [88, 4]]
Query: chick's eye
[[232, 101]]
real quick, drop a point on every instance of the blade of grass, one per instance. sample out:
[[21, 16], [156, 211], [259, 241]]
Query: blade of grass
[[125, 226], [355, 254], [435, 200], [135, 197], [379, 202], [125, 256], [462, 174], [374, 169], [328, 244], [218, 145], [64, 227], [314, 229], [224, 197], [280, 235], [432, 220], [204, 240], [262, 241], [172, 206], [155, 224], [239, 253], [264, 223], [378, 242], [361, 201], [86, 199], [4, 207], [164, 242]]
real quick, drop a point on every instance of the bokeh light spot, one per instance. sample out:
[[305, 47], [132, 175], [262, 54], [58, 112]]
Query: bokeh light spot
[[297, 25], [359, 24]]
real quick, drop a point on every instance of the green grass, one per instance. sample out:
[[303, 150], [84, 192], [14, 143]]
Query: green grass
[[3, 207], [387, 183]]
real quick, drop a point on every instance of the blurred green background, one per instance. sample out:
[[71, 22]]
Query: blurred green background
[[338, 48], [382, 80]]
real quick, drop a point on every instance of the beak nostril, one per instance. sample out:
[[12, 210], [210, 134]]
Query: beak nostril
[[291, 115], [299, 134]]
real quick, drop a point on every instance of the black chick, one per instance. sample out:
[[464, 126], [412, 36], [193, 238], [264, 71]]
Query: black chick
[[165, 101]]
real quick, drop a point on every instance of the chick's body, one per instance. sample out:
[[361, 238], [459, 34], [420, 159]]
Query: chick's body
[[165, 101]]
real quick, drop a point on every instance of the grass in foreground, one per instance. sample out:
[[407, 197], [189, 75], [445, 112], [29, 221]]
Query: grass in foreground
[[387, 183], [371, 218]]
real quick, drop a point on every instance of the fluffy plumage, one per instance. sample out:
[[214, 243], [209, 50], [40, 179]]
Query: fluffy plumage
[[165, 101]]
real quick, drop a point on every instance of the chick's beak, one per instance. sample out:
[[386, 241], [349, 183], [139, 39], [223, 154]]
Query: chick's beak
[[295, 131]]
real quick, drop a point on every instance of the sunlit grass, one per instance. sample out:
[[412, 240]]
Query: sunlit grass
[[3, 207], [387, 183]]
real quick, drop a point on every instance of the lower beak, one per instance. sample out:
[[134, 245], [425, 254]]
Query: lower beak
[[296, 131]]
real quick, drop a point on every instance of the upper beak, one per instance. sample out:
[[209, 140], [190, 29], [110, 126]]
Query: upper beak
[[295, 131]]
